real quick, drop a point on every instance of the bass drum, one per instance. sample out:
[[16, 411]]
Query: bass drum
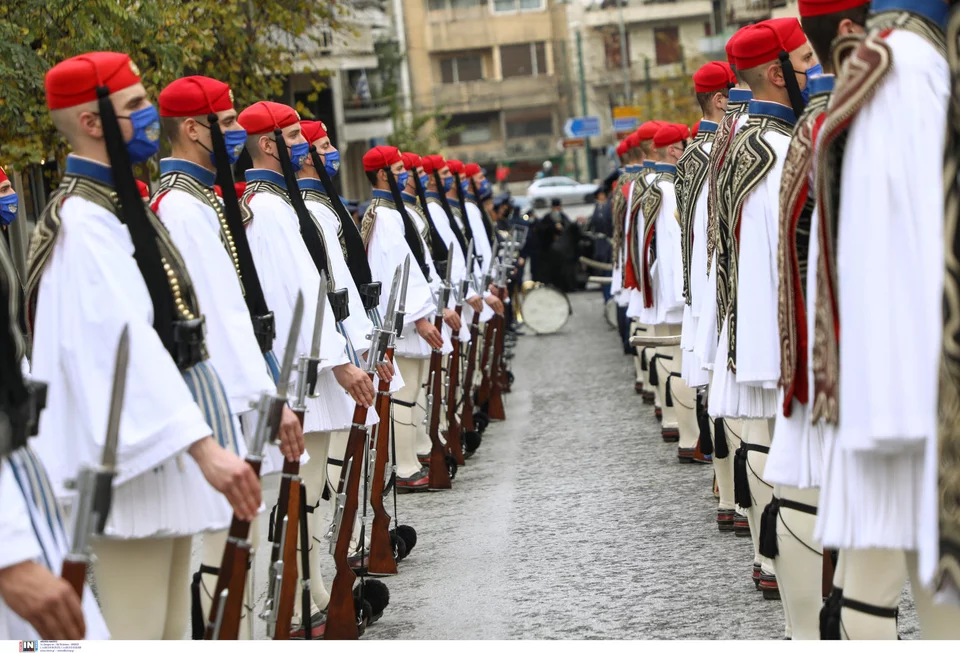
[[545, 309], [610, 312]]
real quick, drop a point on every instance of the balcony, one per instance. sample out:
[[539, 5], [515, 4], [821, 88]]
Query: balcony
[[647, 11], [497, 95], [485, 32]]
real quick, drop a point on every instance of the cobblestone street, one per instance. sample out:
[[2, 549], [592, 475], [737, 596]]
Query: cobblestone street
[[574, 519]]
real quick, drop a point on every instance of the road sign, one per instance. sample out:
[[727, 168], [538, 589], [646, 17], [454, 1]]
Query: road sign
[[569, 143], [582, 127], [625, 124]]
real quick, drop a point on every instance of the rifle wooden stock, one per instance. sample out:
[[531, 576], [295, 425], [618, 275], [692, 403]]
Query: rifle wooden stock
[[382, 562], [290, 501], [75, 573], [483, 392], [439, 474], [233, 608], [238, 534], [466, 414], [341, 613], [495, 404], [454, 443]]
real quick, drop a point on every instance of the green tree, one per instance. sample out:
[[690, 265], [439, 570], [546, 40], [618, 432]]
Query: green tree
[[424, 132], [252, 45]]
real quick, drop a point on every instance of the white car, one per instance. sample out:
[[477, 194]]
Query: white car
[[569, 191]]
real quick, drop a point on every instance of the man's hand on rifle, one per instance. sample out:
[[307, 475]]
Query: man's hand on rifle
[[495, 304], [230, 475], [355, 381], [429, 333], [385, 371], [291, 435], [46, 602], [451, 319], [476, 302]]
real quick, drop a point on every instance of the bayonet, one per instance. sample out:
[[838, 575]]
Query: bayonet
[[290, 351], [401, 311], [311, 367], [468, 277], [94, 485]]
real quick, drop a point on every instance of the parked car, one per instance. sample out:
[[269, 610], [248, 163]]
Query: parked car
[[567, 190]]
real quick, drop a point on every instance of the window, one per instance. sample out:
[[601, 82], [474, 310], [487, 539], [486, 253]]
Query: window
[[667, 43], [474, 128], [524, 60], [613, 53], [534, 123], [441, 5], [504, 6], [464, 68]]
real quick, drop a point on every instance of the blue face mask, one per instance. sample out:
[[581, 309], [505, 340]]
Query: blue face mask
[[424, 180], [402, 179], [236, 140], [813, 71], [484, 187], [8, 209], [465, 185], [146, 134], [331, 163], [447, 184], [298, 155]]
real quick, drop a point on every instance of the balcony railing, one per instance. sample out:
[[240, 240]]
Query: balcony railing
[[497, 94], [645, 11]]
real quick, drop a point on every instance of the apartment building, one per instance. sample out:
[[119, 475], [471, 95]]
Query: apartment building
[[344, 66], [498, 69]]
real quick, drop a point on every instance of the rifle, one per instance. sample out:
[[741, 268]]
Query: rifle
[[485, 390], [454, 440], [471, 435], [227, 604], [94, 485], [382, 561], [342, 621], [439, 473], [282, 591]]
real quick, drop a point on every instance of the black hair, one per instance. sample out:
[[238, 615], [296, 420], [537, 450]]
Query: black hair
[[705, 99], [371, 176], [822, 30]]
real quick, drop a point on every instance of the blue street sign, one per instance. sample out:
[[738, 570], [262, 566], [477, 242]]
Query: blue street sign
[[625, 124], [582, 127]]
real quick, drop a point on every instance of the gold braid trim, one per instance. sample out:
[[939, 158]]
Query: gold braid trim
[[796, 209], [948, 566], [370, 218], [751, 159]]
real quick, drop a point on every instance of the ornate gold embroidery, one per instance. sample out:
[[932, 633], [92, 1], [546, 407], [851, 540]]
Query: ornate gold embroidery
[[796, 201], [692, 169], [751, 159], [948, 567]]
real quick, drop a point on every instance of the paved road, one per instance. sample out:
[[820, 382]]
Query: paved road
[[574, 520]]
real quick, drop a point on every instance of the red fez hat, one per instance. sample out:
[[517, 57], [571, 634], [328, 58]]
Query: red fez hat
[[762, 43], [695, 129], [669, 134], [313, 130], [821, 7], [144, 189], [410, 160], [264, 117], [382, 156], [471, 169], [432, 163], [631, 141], [456, 167], [3, 175], [75, 80], [712, 77], [194, 96], [730, 48], [648, 130], [622, 147]]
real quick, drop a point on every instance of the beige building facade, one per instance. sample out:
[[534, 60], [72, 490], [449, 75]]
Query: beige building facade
[[498, 69]]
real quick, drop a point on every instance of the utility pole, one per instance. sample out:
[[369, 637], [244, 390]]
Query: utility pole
[[624, 64], [591, 163]]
